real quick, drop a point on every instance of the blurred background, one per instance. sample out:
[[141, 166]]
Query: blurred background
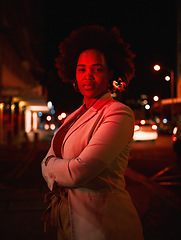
[[31, 32], [34, 103]]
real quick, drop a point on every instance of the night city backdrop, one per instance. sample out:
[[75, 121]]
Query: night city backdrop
[[34, 102], [149, 26], [31, 32]]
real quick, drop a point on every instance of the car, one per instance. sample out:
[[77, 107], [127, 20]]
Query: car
[[145, 130], [176, 137]]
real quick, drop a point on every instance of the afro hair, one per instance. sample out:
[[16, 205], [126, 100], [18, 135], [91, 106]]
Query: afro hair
[[117, 53]]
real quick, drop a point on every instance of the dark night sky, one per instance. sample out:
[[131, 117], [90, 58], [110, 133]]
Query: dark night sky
[[149, 26]]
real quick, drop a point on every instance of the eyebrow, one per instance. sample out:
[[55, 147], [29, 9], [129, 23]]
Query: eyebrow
[[94, 65]]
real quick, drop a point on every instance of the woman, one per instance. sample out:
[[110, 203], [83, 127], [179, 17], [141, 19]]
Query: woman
[[89, 153]]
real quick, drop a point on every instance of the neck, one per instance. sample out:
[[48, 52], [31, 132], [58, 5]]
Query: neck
[[90, 101]]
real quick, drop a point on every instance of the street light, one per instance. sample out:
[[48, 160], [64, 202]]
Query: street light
[[156, 98], [48, 118], [147, 106], [167, 78], [157, 67]]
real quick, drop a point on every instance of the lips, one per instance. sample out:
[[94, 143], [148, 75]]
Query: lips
[[88, 85]]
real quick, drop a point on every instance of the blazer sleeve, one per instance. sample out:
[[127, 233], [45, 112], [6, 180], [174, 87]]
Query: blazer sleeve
[[111, 137]]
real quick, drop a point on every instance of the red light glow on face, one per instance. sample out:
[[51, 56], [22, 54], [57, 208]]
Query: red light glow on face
[[92, 73]]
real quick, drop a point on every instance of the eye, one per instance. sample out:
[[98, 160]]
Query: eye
[[99, 69], [81, 70]]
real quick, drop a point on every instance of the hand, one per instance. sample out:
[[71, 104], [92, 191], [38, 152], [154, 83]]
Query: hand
[[50, 181], [48, 159]]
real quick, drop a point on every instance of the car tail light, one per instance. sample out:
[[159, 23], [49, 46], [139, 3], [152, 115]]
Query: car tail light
[[154, 127], [143, 122], [136, 128], [52, 126], [46, 126], [174, 139]]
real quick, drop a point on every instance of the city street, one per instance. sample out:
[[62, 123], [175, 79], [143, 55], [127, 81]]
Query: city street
[[22, 189], [151, 157]]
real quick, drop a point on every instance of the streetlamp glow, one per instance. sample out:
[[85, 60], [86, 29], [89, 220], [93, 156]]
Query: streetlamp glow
[[167, 78], [156, 98], [171, 79], [157, 67], [49, 104], [48, 118], [147, 106], [63, 115]]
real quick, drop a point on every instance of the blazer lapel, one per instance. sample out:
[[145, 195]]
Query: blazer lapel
[[84, 118], [68, 120], [87, 115]]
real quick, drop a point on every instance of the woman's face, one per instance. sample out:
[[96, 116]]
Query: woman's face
[[92, 74]]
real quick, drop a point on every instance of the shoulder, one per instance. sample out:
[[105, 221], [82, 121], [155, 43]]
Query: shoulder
[[115, 107]]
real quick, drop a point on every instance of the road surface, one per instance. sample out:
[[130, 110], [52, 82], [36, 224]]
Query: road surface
[[157, 161]]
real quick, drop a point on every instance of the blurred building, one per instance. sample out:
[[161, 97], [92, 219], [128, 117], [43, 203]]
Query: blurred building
[[21, 72]]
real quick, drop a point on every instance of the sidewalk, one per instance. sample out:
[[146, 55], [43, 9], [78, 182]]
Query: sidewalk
[[21, 204], [22, 188]]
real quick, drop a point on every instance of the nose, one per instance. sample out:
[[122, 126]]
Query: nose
[[89, 74]]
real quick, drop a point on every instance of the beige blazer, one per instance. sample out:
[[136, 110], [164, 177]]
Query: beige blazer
[[94, 157]]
